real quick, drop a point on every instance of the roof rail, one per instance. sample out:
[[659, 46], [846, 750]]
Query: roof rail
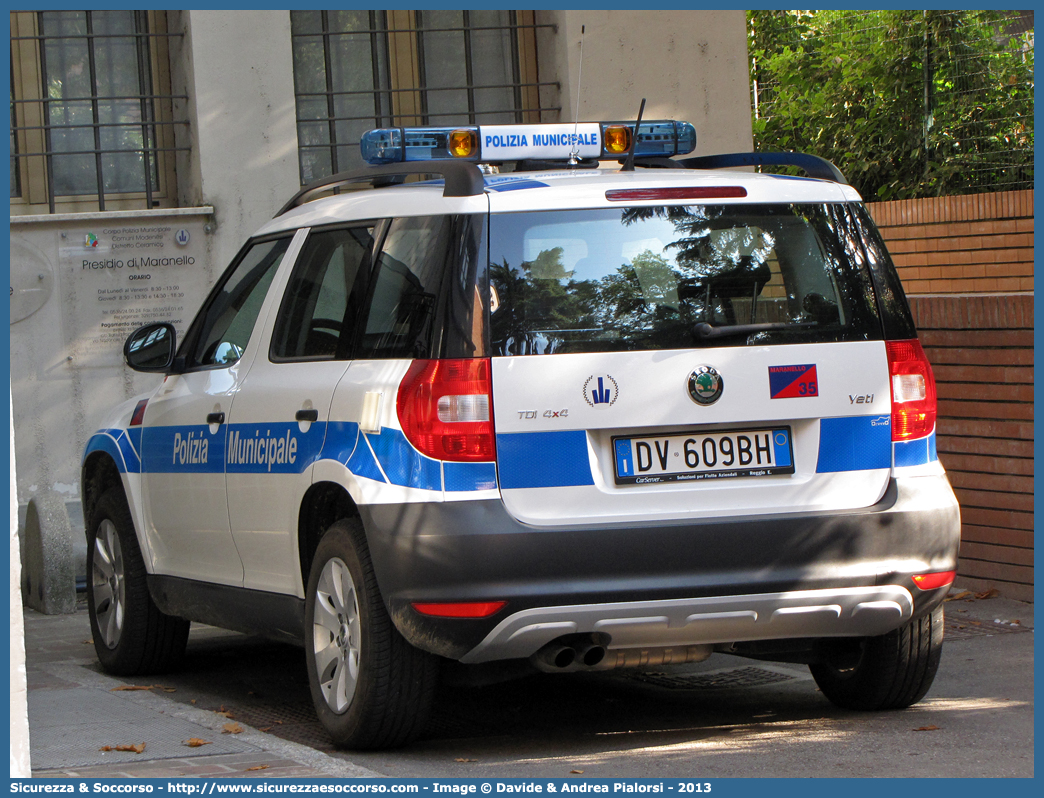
[[463, 179], [813, 165]]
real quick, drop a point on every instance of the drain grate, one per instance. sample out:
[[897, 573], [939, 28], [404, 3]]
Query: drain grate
[[259, 715], [719, 680], [311, 734], [292, 722], [967, 628]]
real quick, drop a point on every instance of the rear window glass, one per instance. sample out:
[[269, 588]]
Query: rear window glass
[[676, 277]]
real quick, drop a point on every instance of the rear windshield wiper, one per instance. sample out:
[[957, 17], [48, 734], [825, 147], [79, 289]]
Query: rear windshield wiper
[[702, 330]]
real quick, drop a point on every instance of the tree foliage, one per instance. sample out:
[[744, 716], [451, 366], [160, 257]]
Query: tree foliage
[[907, 103]]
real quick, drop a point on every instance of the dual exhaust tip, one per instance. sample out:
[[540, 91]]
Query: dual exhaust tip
[[572, 653], [590, 652]]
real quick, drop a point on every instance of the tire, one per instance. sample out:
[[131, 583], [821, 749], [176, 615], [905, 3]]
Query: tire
[[371, 689], [892, 671], [131, 636]]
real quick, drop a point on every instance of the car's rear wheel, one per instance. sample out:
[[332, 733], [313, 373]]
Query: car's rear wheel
[[131, 635], [371, 689], [891, 671]]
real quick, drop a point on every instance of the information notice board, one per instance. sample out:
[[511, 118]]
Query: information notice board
[[115, 278]]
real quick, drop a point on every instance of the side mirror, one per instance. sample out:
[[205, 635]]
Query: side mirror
[[151, 348]]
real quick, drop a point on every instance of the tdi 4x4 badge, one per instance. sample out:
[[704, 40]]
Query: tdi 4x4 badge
[[337, 456]]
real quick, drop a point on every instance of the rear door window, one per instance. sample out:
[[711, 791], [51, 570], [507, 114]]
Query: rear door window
[[676, 277], [423, 299], [323, 301]]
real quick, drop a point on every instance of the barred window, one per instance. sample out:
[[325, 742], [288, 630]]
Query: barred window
[[92, 124], [356, 70]]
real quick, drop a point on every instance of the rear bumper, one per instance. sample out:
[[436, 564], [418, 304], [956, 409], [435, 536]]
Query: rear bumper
[[694, 582], [713, 619]]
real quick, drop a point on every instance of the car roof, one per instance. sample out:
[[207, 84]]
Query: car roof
[[564, 189]]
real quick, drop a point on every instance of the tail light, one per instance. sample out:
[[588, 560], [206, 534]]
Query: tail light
[[445, 409], [460, 609], [936, 580], [913, 390]]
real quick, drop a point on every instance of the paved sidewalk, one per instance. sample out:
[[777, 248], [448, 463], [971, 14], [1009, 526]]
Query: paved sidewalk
[[75, 711]]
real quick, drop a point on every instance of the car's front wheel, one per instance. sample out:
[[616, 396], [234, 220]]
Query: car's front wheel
[[371, 688], [131, 635], [891, 671]]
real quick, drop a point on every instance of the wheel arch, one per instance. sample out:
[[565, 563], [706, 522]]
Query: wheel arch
[[98, 474], [323, 504]]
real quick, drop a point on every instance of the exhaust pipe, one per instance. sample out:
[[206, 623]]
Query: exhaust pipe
[[591, 655], [590, 652], [555, 657], [573, 652]]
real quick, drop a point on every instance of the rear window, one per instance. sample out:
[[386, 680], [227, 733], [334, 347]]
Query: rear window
[[676, 277]]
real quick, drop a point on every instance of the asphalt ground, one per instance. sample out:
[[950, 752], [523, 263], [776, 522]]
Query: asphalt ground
[[247, 699]]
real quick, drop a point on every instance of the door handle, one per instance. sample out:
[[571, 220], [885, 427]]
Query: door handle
[[307, 415], [215, 418]]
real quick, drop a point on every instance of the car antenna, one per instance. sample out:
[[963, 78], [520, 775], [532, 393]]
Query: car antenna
[[574, 158], [629, 161]]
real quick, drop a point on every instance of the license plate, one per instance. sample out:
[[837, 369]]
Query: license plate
[[689, 457]]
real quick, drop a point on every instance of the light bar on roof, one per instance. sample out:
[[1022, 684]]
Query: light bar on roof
[[500, 143]]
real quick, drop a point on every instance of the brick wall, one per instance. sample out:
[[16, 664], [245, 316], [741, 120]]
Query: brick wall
[[981, 350], [981, 243], [967, 267]]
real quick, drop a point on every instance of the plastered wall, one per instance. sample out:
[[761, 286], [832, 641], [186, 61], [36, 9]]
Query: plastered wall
[[689, 65]]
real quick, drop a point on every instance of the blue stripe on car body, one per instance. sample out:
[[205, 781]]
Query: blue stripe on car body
[[403, 464], [543, 459], [362, 462], [273, 448], [854, 443], [185, 449], [281, 448], [920, 451], [461, 477], [342, 438], [105, 441]]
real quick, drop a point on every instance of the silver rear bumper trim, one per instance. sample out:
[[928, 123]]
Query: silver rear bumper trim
[[840, 612]]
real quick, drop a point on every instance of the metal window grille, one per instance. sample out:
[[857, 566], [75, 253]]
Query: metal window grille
[[100, 129], [16, 177], [356, 70]]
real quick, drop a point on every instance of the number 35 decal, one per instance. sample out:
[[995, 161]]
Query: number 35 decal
[[792, 382]]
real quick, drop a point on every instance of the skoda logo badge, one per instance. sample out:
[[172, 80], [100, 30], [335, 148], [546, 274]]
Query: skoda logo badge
[[705, 385]]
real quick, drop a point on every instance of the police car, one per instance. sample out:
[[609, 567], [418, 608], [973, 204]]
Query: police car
[[578, 400]]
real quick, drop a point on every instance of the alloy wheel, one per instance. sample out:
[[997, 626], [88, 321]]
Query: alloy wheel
[[336, 635], [109, 584]]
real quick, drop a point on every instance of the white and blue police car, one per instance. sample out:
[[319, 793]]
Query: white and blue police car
[[544, 407]]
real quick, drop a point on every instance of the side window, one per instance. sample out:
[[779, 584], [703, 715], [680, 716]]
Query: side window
[[895, 310], [232, 308], [323, 300], [408, 279]]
